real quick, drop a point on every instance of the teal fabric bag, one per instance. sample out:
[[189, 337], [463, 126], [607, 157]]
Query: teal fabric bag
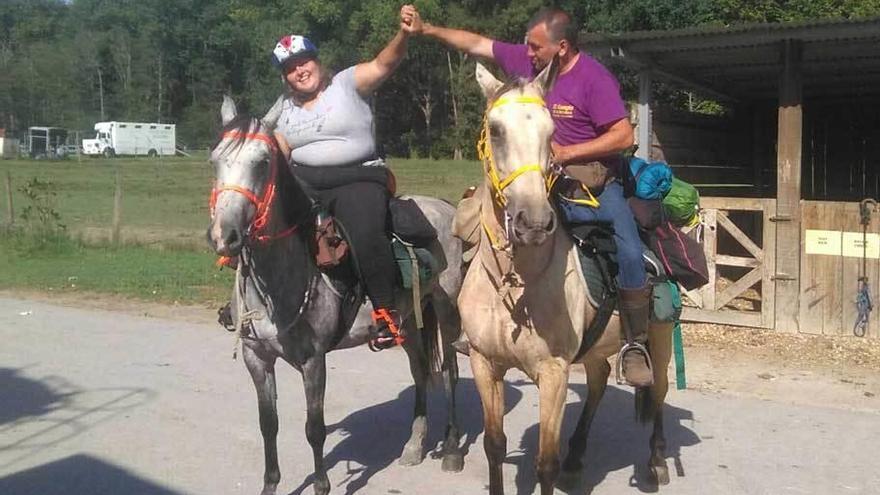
[[426, 262], [665, 301]]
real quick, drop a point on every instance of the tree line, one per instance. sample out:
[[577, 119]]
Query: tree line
[[71, 63]]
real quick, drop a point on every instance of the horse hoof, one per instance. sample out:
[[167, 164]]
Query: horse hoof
[[661, 474], [568, 480], [412, 456], [453, 463], [269, 489], [322, 487]]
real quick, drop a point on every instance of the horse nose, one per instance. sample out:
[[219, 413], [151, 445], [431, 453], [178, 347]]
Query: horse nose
[[232, 241], [534, 227], [226, 240], [543, 221]]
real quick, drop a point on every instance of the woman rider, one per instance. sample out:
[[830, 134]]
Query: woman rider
[[326, 129]]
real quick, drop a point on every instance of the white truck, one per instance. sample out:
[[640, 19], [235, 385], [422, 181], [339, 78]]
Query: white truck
[[131, 138]]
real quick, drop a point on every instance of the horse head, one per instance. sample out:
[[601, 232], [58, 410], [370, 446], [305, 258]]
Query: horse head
[[515, 149], [246, 164]]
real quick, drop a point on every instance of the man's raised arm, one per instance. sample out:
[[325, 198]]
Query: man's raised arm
[[464, 41]]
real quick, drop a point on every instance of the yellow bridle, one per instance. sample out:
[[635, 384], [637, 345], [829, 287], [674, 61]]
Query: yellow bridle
[[484, 152]]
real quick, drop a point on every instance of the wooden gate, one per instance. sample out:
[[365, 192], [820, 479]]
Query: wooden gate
[[740, 257]]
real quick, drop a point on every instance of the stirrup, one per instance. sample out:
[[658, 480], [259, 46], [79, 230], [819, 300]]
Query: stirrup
[[388, 332], [630, 346], [224, 317]]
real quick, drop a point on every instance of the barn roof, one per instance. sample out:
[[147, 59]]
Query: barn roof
[[841, 57]]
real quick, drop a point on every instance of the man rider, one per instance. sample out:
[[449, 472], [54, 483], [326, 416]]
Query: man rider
[[592, 128]]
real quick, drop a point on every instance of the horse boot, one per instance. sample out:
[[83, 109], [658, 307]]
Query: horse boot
[[633, 361], [387, 325]]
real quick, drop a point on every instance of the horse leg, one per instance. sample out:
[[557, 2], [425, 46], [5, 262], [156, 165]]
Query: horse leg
[[597, 372], [552, 387], [314, 373], [263, 374], [413, 451], [450, 328], [490, 385], [660, 338]]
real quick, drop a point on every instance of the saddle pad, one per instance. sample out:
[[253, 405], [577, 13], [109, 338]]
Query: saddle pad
[[596, 287]]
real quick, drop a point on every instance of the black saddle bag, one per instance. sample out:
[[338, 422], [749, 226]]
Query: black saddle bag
[[409, 223]]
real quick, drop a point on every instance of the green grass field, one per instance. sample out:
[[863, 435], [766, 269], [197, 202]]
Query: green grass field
[[165, 201], [164, 216]]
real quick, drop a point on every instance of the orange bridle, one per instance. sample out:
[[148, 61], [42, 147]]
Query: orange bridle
[[262, 204]]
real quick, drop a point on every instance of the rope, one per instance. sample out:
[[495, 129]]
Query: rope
[[864, 304]]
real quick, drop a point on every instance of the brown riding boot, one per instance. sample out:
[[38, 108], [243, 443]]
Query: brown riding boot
[[633, 359]]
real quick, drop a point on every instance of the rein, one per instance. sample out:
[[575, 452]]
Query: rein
[[263, 204], [256, 232]]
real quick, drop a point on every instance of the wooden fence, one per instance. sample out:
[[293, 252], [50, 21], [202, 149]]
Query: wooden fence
[[830, 268], [730, 297]]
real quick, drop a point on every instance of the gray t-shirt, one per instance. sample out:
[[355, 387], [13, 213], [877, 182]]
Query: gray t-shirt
[[337, 130]]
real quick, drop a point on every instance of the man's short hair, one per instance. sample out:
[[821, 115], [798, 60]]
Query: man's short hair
[[560, 25]]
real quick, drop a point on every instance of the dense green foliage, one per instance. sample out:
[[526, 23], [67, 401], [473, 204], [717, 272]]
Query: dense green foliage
[[72, 63]]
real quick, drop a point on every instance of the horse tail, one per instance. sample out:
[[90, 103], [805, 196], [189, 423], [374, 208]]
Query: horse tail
[[645, 408], [431, 340]]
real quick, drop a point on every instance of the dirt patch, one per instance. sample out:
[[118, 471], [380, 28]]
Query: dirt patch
[[103, 302], [158, 237], [806, 351]]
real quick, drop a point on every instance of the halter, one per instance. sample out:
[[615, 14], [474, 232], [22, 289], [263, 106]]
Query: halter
[[484, 153], [264, 204]]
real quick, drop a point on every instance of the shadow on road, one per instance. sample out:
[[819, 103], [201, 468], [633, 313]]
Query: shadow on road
[[40, 414], [24, 397], [375, 436], [79, 475], [616, 441]]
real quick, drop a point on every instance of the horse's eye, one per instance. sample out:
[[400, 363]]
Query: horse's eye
[[496, 131]]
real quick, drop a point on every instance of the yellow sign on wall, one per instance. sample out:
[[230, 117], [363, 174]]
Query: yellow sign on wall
[[854, 245], [826, 242]]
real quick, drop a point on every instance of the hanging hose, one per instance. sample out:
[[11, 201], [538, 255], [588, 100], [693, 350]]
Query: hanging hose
[[864, 304]]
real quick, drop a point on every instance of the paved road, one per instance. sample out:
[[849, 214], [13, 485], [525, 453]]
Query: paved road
[[95, 403]]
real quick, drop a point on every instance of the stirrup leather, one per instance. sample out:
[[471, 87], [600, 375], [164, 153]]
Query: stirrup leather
[[628, 347]]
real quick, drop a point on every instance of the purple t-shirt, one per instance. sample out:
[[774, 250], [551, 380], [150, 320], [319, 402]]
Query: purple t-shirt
[[583, 102]]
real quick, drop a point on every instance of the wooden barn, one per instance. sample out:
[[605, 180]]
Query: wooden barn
[[782, 169]]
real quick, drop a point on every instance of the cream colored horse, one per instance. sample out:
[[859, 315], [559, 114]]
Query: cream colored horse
[[523, 301]]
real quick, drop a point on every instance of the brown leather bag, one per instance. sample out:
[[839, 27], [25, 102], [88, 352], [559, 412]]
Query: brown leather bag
[[330, 248], [593, 174]]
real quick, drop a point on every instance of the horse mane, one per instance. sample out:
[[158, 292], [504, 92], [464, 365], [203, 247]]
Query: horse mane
[[511, 84], [241, 124]]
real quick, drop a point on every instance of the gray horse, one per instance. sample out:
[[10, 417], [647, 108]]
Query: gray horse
[[284, 307]]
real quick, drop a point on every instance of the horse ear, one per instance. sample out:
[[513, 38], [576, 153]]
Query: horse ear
[[227, 110], [270, 120], [488, 83], [544, 81]]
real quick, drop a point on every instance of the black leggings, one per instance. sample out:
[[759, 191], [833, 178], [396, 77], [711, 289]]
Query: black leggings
[[362, 208]]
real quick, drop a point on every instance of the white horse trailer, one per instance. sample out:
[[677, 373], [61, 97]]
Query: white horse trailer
[[8, 145], [131, 138]]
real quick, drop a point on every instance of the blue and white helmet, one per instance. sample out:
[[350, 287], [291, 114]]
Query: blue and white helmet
[[292, 46]]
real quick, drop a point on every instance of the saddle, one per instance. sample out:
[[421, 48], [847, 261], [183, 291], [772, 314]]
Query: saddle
[[410, 235], [597, 253]]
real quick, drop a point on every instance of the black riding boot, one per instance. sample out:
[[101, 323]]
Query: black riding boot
[[633, 358]]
